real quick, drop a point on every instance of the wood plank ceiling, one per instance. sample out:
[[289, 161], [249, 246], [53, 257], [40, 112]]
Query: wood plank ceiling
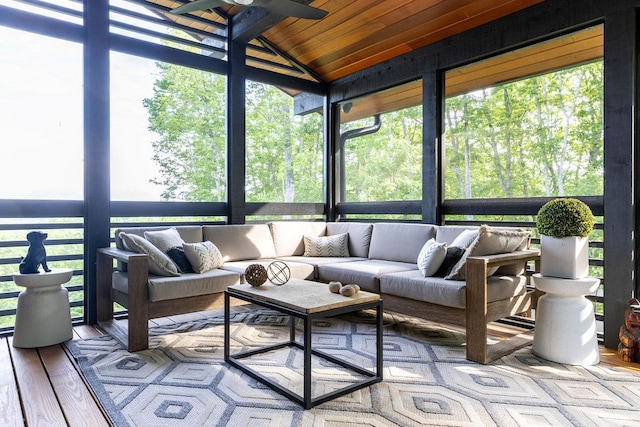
[[357, 34]]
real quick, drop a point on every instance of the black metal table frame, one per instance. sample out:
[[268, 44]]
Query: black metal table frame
[[306, 401]]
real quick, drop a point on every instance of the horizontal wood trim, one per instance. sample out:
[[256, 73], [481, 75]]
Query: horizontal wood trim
[[268, 208], [159, 209], [409, 207], [513, 206]]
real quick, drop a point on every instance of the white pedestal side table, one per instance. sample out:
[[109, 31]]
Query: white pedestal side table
[[565, 329], [42, 316]]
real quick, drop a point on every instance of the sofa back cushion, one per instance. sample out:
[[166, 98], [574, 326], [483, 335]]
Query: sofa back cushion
[[241, 241], [359, 236], [399, 241], [288, 235], [448, 233]]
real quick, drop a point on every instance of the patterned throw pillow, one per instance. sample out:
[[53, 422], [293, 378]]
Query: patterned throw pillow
[[203, 256], [327, 246], [159, 263], [431, 257]]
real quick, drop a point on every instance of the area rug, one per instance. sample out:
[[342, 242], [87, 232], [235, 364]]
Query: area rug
[[182, 380]]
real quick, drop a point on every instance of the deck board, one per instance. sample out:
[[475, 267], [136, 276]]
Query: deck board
[[76, 401], [39, 402], [10, 411]]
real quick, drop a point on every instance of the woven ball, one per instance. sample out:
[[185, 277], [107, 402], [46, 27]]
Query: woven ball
[[255, 275], [278, 273]]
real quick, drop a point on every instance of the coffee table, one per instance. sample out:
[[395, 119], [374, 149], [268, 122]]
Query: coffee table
[[305, 300]]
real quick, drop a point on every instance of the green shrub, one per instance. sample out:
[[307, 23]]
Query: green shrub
[[565, 217]]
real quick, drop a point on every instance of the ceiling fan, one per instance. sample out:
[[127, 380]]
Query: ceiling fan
[[279, 7]]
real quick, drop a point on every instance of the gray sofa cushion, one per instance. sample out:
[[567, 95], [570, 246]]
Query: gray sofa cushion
[[187, 285], [399, 241], [316, 261], [287, 235], [242, 241], [450, 293], [362, 273], [298, 270], [359, 236]]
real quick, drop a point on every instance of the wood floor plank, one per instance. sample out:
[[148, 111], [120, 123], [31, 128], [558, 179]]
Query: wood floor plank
[[39, 402], [76, 400], [86, 331], [10, 412]]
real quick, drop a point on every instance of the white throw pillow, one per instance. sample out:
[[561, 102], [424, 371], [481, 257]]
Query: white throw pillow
[[164, 239], [490, 241], [431, 257], [159, 263], [327, 246], [203, 256]]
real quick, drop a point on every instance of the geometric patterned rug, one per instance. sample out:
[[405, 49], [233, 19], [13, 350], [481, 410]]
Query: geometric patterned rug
[[182, 380]]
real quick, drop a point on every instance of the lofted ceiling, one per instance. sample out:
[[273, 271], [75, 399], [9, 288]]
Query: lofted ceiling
[[357, 34]]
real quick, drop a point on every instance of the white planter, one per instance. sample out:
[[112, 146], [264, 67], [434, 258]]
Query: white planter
[[567, 257]]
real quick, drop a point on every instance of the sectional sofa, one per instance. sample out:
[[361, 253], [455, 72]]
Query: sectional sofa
[[461, 275]]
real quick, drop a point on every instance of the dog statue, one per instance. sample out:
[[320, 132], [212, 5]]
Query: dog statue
[[36, 254]]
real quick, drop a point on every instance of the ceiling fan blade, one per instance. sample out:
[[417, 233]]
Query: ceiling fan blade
[[198, 5], [291, 8]]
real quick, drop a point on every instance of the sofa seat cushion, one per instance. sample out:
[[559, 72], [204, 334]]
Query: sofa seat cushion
[[299, 270], [187, 285], [450, 293], [317, 261], [362, 273]]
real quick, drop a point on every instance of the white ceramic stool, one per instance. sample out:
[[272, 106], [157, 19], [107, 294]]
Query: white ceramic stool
[[42, 316], [565, 329]]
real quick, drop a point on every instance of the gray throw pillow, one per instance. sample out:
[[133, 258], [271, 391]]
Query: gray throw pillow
[[164, 239], [159, 263]]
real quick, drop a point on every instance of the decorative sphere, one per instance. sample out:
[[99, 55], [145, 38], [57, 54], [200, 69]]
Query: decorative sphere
[[255, 275], [278, 273]]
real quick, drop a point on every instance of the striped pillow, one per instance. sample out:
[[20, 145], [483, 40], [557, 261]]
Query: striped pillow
[[327, 246]]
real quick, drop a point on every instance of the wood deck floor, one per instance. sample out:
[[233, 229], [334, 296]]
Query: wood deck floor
[[44, 387]]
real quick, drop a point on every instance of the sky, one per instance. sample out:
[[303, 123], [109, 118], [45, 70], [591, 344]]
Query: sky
[[41, 113]]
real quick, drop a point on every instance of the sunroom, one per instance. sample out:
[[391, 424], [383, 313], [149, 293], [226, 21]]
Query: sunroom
[[120, 113]]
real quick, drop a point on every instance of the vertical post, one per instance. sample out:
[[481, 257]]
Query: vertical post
[[97, 188], [432, 83], [236, 130], [620, 210]]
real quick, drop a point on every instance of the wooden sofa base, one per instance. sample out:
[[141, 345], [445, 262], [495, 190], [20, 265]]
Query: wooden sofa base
[[477, 347], [475, 318]]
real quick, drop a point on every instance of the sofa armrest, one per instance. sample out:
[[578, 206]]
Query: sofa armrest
[[479, 312], [477, 263], [137, 274]]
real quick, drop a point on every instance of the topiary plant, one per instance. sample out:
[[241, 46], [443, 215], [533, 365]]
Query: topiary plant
[[565, 217]]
